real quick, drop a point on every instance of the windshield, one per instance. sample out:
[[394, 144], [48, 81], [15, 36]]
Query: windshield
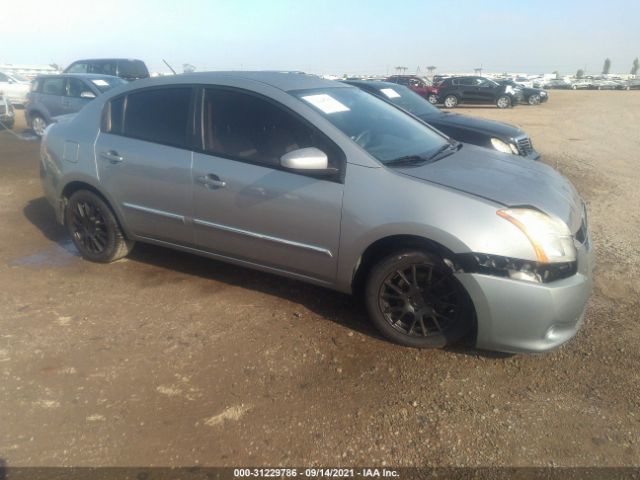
[[382, 130], [132, 69], [408, 100], [107, 83]]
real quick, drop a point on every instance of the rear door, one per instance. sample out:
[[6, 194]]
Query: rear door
[[144, 161], [245, 205], [53, 92]]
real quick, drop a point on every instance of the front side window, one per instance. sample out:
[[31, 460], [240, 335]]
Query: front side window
[[381, 129], [159, 115], [102, 68], [76, 87], [246, 127]]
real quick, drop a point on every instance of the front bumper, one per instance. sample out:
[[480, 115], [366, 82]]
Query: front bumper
[[522, 317]]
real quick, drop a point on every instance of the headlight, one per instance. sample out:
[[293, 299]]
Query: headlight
[[504, 147], [549, 236]]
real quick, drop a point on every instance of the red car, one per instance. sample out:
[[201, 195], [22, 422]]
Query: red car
[[421, 86]]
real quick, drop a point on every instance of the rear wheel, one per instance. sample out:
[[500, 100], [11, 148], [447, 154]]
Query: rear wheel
[[503, 101], [94, 229], [450, 101], [433, 98], [414, 300], [38, 124]]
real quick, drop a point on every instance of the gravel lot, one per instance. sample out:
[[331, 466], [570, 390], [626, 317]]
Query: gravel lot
[[170, 359]]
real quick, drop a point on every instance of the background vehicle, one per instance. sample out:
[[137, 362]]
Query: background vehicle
[[558, 83], [523, 82], [421, 86], [54, 95], [456, 90], [319, 181], [485, 133], [7, 114], [125, 68], [14, 87], [530, 95]]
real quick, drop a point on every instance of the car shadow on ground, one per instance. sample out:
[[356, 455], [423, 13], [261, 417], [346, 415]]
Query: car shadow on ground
[[345, 310], [339, 308]]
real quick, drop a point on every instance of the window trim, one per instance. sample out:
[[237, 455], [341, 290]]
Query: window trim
[[199, 124], [106, 115]]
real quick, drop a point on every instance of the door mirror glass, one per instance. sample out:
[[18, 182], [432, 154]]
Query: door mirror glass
[[310, 160], [87, 94]]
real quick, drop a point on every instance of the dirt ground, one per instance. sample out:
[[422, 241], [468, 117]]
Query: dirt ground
[[170, 359]]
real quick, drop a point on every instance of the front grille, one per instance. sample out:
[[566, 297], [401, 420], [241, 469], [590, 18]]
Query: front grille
[[524, 145]]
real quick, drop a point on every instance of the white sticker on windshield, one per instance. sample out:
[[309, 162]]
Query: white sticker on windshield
[[100, 82], [326, 103], [390, 92]]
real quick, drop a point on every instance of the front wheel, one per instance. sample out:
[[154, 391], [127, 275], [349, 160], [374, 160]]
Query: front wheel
[[503, 101], [450, 101], [413, 299], [433, 99], [534, 99], [38, 124], [94, 229]]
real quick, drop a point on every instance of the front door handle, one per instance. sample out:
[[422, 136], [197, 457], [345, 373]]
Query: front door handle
[[112, 156], [211, 181]]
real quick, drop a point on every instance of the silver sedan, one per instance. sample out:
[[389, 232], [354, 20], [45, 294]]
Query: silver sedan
[[319, 181]]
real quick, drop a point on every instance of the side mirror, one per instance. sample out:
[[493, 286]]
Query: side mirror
[[308, 160], [87, 94]]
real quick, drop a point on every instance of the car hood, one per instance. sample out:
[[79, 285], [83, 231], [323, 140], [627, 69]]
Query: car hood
[[488, 127], [506, 179]]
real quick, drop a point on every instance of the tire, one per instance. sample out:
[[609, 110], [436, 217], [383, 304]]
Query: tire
[[534, 99], [450, 101], [38, 124], [94, 228], [405, 297], [503, 101], [432, 98]]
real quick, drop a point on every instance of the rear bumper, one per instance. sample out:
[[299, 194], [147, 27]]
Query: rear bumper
[[521, 317]]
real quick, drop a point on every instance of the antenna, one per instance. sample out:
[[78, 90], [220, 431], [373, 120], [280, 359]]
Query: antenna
[[167, 64]]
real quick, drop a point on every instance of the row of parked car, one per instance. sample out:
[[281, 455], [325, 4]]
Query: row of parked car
[[354, 186], [452, 91]]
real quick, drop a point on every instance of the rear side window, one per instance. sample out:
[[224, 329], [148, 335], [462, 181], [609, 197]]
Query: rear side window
[[249, 128], [54, 86], [158, 115]]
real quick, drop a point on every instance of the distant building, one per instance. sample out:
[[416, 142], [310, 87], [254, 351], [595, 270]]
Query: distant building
[[28, 71]]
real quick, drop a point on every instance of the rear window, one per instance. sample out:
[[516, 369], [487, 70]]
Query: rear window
[[159, 115], [132, 69]]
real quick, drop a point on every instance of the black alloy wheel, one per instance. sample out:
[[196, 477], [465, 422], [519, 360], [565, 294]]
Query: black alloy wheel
[[94, 229], [414, 299]]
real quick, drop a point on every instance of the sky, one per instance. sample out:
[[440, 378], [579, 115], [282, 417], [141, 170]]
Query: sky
[[329, 36]]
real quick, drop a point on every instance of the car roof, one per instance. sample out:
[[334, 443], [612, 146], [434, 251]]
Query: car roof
[[286, 81], [88, 76], [106, 60]]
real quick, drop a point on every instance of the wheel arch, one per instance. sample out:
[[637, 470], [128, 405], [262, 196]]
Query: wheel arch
[[386, 246], [80, 184]]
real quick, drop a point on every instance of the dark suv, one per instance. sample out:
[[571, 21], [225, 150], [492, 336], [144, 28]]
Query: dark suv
[[456, 90], [125, 68], [421, 86]]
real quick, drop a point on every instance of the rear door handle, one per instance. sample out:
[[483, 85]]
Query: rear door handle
[[112, 156], [211, 181]]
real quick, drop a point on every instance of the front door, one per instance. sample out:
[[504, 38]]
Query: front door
[[144, 162], [246, 206]]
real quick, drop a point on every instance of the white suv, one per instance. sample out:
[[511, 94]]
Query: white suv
[[15, 88]]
